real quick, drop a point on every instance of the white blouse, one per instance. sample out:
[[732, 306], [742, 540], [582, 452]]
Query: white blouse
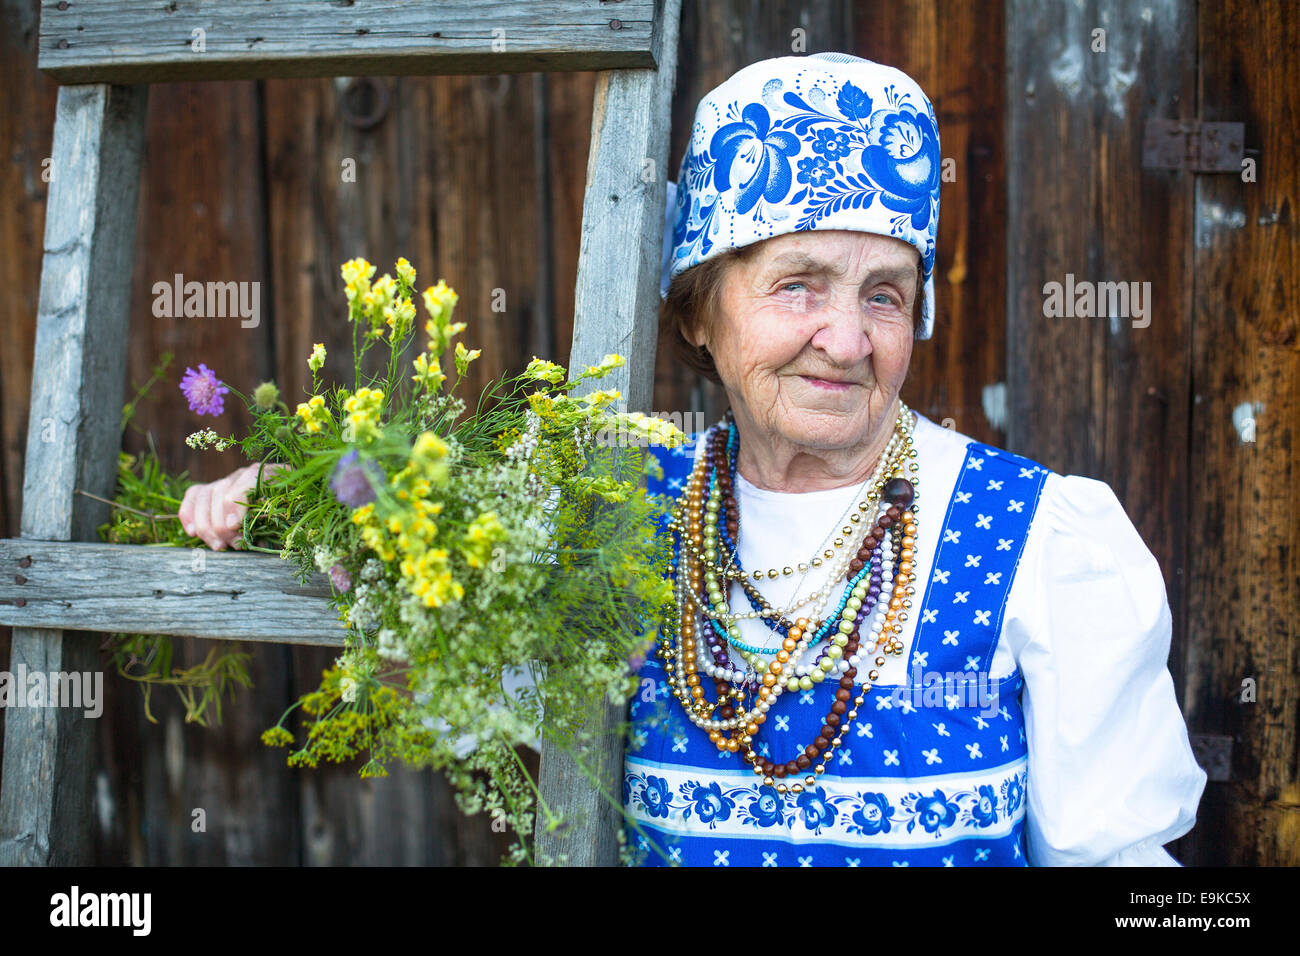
[[1111, 772]]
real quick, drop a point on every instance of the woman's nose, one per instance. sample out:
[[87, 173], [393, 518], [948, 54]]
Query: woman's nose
[[843, 333]]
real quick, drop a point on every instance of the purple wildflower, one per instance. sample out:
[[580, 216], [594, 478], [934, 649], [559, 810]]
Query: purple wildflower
[[352, 479], [340, 577], [204, 391]]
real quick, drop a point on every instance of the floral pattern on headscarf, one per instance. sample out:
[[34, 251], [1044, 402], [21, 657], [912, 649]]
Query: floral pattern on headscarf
[[855, 145]]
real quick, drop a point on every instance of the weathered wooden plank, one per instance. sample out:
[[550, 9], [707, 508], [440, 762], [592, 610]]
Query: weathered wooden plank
[[72, 441], [1085, 212], [141, 41], [186, 592], [25, 124], [1243, 582], [1085, 207], [615, 310]]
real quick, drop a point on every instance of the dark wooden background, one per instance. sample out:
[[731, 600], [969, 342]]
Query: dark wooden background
[[480, 180]]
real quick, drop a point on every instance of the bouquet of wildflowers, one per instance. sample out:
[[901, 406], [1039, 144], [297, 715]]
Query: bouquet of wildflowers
[[491, 565]]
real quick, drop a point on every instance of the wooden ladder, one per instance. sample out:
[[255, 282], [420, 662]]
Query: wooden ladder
[[61, 581]]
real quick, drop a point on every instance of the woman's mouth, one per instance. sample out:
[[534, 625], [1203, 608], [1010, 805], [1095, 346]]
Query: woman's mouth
[[828, 384]]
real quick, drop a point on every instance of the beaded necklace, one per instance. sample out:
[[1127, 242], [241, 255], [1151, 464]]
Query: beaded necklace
[[883, 565], [818, 597], [890, 461]]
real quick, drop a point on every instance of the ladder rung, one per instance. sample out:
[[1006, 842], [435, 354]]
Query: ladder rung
[[145, 41], [186, 592]]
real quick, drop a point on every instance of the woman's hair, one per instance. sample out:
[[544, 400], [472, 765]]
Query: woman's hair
[[693, 301]]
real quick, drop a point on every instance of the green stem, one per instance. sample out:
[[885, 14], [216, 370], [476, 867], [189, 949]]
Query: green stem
[[143, 514]]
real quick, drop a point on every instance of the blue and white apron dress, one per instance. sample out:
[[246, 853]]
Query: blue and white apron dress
[[926, 775]]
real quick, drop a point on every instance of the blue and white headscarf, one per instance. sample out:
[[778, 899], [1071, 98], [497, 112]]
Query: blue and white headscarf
[[826, 141]]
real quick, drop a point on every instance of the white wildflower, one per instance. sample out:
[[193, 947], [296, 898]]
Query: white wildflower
[[324, 559], [202, 438], [390, 646], [526, 443], [361, 613], [361, 616]]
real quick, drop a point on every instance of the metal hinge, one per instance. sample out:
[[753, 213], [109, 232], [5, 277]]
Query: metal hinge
[[1193, 145], [1214, 753]]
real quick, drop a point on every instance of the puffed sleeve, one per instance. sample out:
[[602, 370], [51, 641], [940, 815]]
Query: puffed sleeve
[[1112, 777]]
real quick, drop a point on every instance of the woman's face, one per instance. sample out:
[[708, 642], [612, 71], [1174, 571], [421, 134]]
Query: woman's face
[[814, 335]]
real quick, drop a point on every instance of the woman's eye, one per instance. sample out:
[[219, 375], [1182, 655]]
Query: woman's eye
[[791, 285], [888, 299]]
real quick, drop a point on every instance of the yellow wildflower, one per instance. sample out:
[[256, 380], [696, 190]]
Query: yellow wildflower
[[545, 371], [482, 533], [314, 414], [607, 364], [601, 397], [355, 270], [428, 577], [428, 446], [357, 273], [384, 291], [428, 374], [363, 414], [399, 317], [464, 356], [542, 404], [440, 336], [441, 301], [277, 737], [405, 273]]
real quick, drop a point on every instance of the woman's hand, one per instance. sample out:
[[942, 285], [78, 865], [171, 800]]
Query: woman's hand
[[215, 511]]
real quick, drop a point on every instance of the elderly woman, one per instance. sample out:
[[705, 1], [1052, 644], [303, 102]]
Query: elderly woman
[[894, 645], [870, 668]]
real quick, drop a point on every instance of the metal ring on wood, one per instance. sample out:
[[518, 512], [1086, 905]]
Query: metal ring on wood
[[379, 109]]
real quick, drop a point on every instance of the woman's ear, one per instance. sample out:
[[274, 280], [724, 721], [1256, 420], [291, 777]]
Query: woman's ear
[[695, 335]]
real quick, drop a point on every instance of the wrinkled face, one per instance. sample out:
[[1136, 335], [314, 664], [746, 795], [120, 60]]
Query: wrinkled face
[[814, 335]]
